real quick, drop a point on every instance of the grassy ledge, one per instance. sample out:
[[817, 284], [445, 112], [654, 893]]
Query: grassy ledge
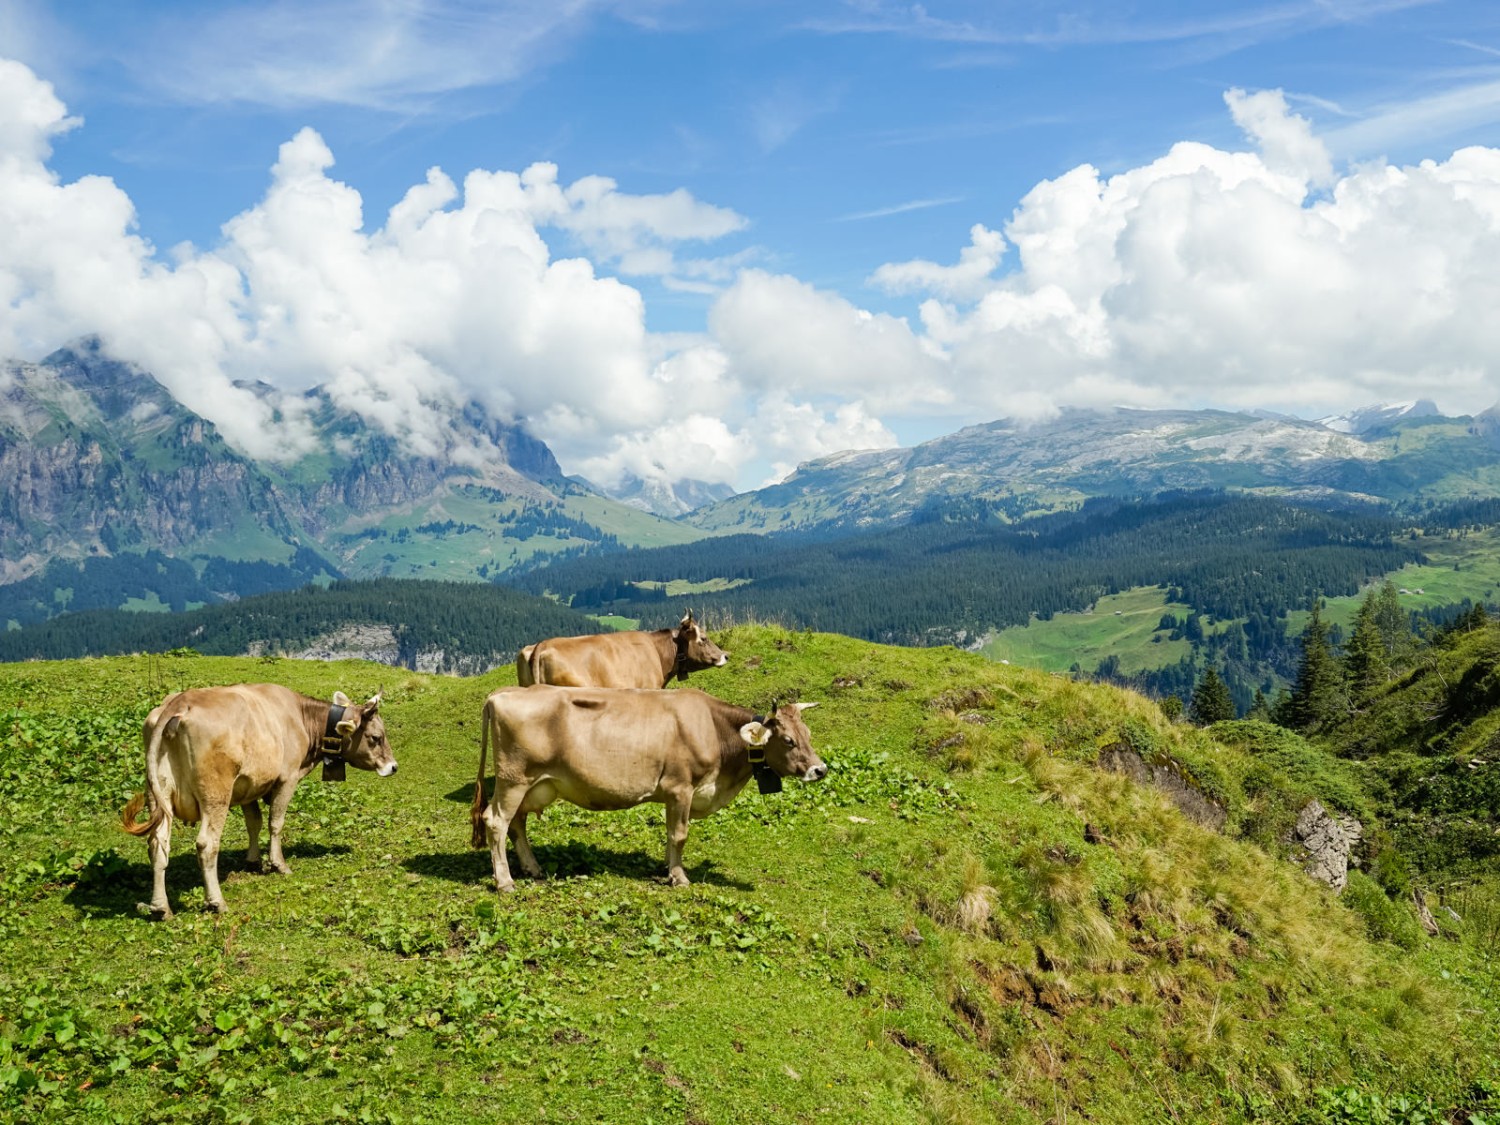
[[967, 921]]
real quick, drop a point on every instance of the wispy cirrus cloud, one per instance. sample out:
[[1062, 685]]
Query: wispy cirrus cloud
[[394, 55], [1084, 26], [899, 209], [1419, 120]]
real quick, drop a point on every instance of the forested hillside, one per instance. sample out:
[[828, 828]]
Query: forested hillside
[[954, 575], [1422, 717], [449, 625]]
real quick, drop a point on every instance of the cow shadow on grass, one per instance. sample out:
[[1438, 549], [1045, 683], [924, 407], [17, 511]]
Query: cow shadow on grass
[[114, 893], [567, 861]]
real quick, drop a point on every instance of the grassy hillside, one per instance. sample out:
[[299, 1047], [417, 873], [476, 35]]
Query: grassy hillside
[[967, 921]]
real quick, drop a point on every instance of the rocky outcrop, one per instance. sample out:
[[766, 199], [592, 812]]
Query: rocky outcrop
[[1327, 843], [354, 642], [1170, 779], [379, 644]]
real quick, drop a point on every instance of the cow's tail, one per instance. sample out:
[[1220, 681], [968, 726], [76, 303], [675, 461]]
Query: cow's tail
[[161, 804], [525, 670], [476, 814]]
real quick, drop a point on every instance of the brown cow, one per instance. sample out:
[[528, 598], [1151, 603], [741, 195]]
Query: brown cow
[[621, 660], [210, 748], [602, 748]]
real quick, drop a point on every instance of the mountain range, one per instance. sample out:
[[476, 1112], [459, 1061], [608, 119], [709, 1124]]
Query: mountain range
[[113, 493], [1009, 470]]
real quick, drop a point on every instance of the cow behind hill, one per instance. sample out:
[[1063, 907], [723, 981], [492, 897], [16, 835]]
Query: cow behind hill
[[621, 660], [601, 748], [208, 749]]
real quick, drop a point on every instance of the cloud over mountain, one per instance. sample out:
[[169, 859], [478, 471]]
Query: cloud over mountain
[[1265, 277]]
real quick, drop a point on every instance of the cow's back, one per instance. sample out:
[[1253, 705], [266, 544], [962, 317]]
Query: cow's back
[[607, 660], [244, 735], [616, 742]]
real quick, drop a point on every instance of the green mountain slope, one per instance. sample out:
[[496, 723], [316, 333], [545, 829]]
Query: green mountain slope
[[1430, 737], [1012, 470], [967, 921]]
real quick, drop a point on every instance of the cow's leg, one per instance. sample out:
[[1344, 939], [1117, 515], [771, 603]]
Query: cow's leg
[[159, 847], [251, 809], [280, 799], [679, 813], [210, 832], [527, 858], [498, 814]]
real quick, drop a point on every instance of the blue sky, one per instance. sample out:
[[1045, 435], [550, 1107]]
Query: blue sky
[[808, 146]]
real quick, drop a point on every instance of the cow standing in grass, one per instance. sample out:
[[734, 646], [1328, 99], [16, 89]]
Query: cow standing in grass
[[208, 749], [621, 660], [601, 748]]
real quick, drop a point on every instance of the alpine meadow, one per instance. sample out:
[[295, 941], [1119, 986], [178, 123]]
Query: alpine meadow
[[874, 562]]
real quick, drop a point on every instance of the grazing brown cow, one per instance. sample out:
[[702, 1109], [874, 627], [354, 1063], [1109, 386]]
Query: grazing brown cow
[[621, 660], [210, 748], [602, 748]]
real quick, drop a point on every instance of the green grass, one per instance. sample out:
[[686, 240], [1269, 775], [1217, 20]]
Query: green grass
[[616, 622], [1123, 625], [678, 587], [927, 935]]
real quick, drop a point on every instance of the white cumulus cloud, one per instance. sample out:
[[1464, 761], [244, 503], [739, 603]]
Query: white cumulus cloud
[[1260, 278]]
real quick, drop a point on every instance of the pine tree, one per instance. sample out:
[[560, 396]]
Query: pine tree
[[1212, 702], [1260, 709], [1394, 623], [1366, 665], [1317, 696]]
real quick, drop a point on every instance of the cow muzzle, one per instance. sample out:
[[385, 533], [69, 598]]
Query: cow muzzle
[[723, 660], [816, 773], [386, 770]]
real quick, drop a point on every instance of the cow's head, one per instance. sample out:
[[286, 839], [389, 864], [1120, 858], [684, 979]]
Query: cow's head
[[695, 651], [783, 737], [362, 733]]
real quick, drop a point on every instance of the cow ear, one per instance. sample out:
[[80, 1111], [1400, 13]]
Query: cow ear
[[347, 726], [340, 699], [755, 734]]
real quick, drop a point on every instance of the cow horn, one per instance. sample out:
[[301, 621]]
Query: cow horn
[[374, 700], [771, 714], [805, 706]]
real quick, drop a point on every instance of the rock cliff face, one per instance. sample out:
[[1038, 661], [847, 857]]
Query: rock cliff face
[[379, 643], [98, 458]]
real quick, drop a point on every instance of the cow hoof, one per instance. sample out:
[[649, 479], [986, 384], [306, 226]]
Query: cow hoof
[[216, 908], [257, 865], [679, 880], [155, 913], [506, 888], [280, 869], [532, 872]]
